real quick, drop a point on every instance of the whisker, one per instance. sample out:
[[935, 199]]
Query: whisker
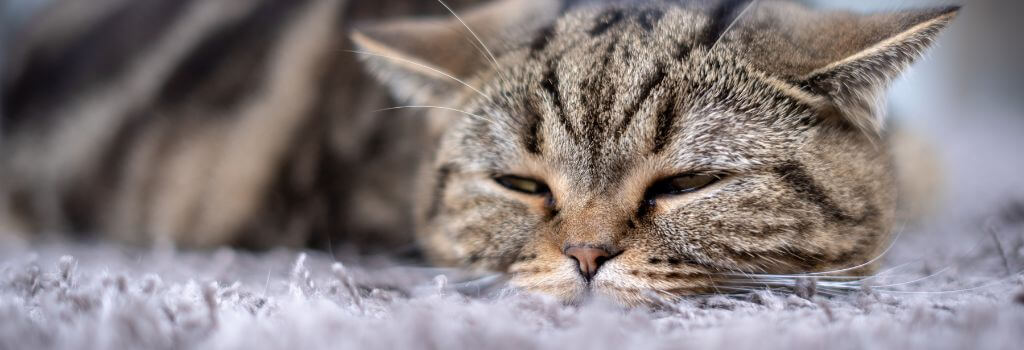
[[733, 23], [480, 284], [977, 244], [836, 284], [421, 65], [887, 271], [490, 55], [869, 262], [983, 286], [823, 290], [742, 289], [916, 280], [438, 107], [758, 275], [792, 282]]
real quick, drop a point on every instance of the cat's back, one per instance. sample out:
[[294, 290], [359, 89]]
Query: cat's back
[[194, 121]]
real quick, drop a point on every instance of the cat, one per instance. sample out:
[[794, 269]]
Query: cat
[[632, 150], [680, 148]]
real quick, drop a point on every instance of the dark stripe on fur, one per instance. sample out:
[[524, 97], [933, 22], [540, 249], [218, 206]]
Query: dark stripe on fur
[[218, 74], [444, 173], [795, 176], [799, 261], [813, 85], [665, 126], [650, 85], [598, 86], [114, 160], [605, 21], [51, 77], [682, 51], [531, 136], [675, 261], [550, 85], [649, 18], [541, 41]]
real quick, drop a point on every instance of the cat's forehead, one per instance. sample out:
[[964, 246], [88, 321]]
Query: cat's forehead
[[600, 66], [606, 87], [618, 35]]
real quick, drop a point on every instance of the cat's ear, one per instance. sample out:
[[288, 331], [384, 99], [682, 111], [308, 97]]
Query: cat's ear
[[846, 59], [422, 59], [855, 85]]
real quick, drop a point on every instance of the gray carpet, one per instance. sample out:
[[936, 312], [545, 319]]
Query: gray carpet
[[965, 291]]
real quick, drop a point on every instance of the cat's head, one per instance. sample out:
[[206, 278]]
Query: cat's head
[[655, 146]]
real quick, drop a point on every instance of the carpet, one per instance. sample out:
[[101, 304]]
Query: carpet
[[938, 290]]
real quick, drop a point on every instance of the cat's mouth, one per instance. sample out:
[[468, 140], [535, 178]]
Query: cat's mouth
[[625, 276], [614, 281]]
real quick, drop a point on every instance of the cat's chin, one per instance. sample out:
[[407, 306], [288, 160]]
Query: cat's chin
[[613, 283], [574, 290], [585, 293]]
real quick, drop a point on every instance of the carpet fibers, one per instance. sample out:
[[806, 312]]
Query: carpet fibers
[[936, 292]]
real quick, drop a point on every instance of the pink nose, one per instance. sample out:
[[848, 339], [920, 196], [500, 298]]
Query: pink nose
[[589, 259]]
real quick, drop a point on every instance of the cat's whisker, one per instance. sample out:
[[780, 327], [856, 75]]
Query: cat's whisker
[[787, 276], [792, 282], [886, 272], [983, 286], [422, 270], [421, 65], [852, 280], [978, 243], [742, 289], [787, 287], [822, 290], [438, 107], [833, 288], [915, 280], [493, 60], [733, 23], [899, 234], [480, 284]]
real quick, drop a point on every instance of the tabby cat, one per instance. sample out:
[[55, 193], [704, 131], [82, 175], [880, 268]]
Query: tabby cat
[[626, 149]]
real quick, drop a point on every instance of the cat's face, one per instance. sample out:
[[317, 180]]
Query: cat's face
[[627, 150]]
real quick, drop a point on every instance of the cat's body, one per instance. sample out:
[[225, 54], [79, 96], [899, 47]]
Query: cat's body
[[204, 123], [614, 148]]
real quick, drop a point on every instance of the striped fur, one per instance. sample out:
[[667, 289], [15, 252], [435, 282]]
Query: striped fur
[[204, 123], [608, 99], [249, 123]]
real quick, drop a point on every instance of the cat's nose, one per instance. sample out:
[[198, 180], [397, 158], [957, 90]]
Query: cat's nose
[[588, 258]]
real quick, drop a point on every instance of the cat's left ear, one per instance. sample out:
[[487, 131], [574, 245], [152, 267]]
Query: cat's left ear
[[421, 59], [843, 59], [855, 84]]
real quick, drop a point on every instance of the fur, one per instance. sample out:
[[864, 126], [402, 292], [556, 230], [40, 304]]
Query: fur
[[251, 124], [608, 99]]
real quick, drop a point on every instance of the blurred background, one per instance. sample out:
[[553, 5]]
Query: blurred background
[[965, 99]]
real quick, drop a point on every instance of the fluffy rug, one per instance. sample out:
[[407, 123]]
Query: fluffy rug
[[938, 291]]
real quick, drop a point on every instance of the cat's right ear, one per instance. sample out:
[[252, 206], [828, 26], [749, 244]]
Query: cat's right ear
[[424, 60]]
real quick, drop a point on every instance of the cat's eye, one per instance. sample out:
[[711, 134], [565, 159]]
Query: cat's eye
[[522, 184], [681, 184]]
